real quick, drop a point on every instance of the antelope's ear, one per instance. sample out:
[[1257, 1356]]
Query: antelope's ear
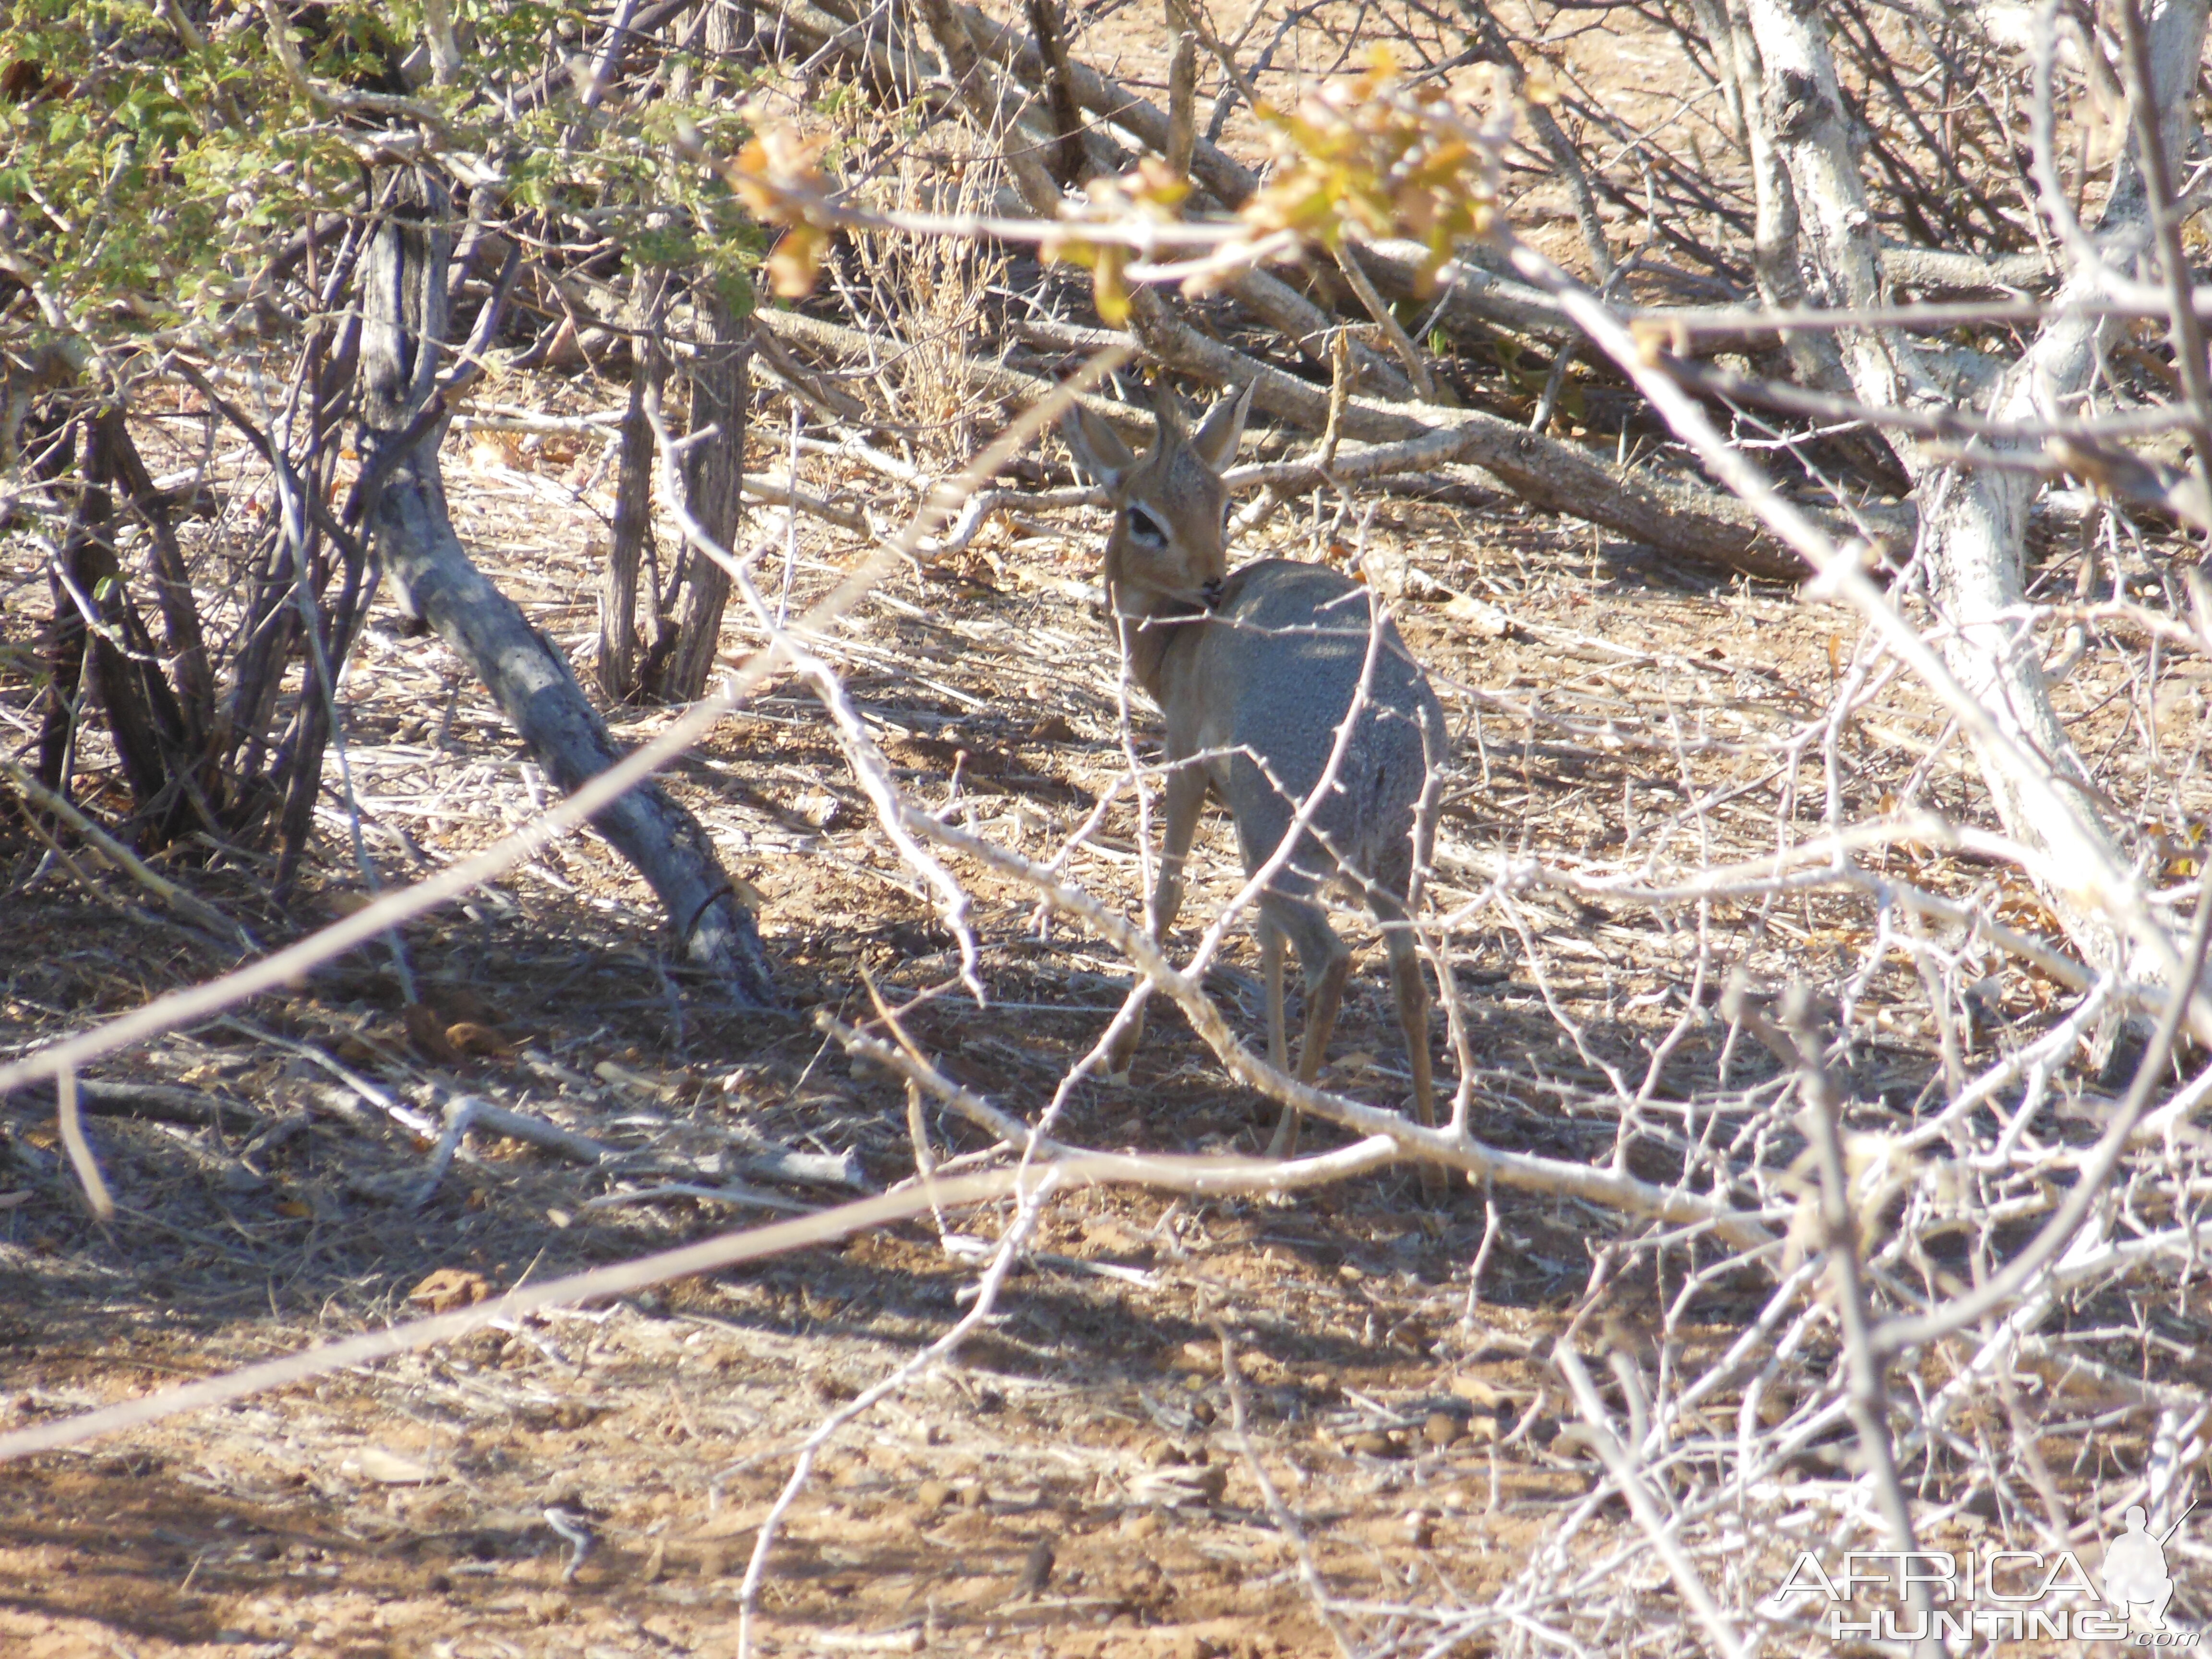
[[1097, 448], [1215, 441]]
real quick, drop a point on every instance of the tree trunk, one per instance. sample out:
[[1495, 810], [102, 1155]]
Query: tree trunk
[[617, 665], [110, 659], [173, 585], [404, 307], [713, 472], [1067, 153], [1973, 518]]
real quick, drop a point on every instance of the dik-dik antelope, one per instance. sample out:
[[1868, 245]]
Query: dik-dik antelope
[[1255, 673]]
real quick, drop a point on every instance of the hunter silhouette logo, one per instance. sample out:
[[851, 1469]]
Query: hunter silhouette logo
[[2136, 1583]]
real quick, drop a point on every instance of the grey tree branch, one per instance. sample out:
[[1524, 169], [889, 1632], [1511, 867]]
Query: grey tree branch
[[533, 683]]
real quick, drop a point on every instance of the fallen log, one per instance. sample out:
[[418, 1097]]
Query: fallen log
[[1698, 525]]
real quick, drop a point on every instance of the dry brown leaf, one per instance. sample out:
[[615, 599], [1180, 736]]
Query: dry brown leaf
[[449, 1288], [469, 1039]]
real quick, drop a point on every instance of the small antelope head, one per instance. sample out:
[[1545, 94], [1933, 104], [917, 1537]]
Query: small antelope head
[[1171, 509]]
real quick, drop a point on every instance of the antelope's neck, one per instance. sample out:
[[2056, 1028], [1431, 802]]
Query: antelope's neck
[[1152, 626]]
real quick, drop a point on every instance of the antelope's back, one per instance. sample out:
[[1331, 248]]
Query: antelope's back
[[1283, 656]]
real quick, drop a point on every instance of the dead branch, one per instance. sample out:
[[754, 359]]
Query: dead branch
[[1562, 477]]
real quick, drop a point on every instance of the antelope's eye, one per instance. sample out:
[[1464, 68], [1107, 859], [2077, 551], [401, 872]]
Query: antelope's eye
[[1145, 525]]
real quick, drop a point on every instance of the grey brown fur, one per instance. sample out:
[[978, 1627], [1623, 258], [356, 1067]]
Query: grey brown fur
[[1254, 674]]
